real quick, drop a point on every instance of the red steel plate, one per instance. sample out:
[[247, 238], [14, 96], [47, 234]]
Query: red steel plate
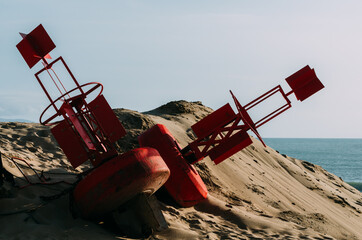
[[185, 184]]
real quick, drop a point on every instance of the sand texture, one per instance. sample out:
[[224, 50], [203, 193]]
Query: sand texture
[[256, 194]]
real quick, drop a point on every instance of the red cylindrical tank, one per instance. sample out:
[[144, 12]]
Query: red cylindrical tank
[[118, 180], [184, 184]]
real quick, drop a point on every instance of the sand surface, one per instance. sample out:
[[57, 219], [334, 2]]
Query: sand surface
[[256, 194]]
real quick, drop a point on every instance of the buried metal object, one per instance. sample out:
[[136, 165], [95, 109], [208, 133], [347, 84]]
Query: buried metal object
[[86, 129]]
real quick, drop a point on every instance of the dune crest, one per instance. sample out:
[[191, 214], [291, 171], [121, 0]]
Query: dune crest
[[256, 194]]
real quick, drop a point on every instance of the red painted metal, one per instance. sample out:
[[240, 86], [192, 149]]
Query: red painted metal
[[87, 132], [230, 146], [141, 170], [304, 83], [223, 133], [68, 140], [66, 94], [217, 119], [184, 185], [35, 46], [219, 135], [95, 127], [68, 112], [108, 122]]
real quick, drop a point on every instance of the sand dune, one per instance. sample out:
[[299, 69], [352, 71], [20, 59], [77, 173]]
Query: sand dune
[[256, 194]]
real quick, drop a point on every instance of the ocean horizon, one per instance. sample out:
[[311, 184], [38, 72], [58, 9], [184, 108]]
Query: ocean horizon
[[340, 156]]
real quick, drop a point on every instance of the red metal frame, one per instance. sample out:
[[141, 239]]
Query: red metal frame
[[92, 130], [81, 119], [88, 131], [47, 67], [223, 133], [220, 126], [262, 98], [220, 135]]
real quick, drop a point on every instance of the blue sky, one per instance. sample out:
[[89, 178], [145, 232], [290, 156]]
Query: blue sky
[[147, 53]]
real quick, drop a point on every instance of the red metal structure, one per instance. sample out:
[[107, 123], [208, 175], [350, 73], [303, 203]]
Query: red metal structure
[[88, 131], [223, 133], [220, 135]]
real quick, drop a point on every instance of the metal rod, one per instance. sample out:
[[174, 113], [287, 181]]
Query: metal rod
[[23, 160], [46, 93], [209, 143], [71, 74], [262, 98], [289, 93], [42, 85], [45, 64], [59, 80], [232, 127], [258, 124], [53, 80], [286, 95]]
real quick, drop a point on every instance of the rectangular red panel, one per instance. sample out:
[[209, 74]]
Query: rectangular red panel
[[230, 146], [35, 45], [106, 118], [304, 83], [297, 78], [71, 144], [309, 89], [78, 125], [28, 52], [218, 118]]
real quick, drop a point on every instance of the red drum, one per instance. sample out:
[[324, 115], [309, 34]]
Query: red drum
[[118, 180], [185, 184]]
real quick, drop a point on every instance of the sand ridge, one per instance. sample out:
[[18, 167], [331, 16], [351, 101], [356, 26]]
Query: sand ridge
[[256, 194]]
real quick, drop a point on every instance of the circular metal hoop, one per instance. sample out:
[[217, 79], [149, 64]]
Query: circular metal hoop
[[84, 95]]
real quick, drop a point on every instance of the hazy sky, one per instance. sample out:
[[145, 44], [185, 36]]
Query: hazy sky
[[147, 53]]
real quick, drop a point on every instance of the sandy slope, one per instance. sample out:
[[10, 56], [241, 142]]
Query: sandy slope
[[256, 194]]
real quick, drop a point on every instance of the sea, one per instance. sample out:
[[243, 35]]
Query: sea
[[340, 156]]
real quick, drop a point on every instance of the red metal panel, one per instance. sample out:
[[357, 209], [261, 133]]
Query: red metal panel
[[309, 89], [28, 52], [119, 180], [71, 115], [69, 141], [304, 83], [218, 118], [35, 45], [185, 184], [230, 146], [106, 118]]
